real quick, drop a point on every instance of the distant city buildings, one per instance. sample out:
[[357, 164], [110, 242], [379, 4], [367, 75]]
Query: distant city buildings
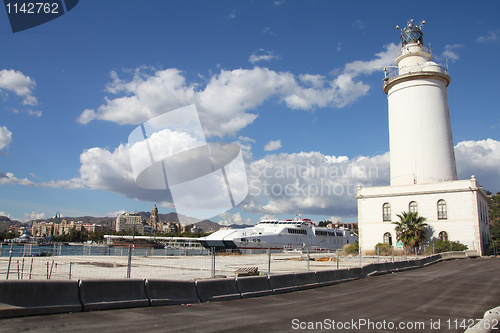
[[130, 222], [135, 222], [45, 229]]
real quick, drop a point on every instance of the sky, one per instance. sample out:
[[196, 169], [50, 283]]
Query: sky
[[296, 84]]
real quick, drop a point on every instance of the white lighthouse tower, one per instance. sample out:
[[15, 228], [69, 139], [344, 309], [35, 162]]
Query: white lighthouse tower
[[421, 142], [422, 160]]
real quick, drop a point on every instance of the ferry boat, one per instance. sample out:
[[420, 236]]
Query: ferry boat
[[275, 235]]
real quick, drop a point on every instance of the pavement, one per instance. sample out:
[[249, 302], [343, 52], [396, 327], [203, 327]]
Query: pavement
[[444, 297]]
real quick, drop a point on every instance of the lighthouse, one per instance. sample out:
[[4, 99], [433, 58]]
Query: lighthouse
[[421, 142], [423, 173]]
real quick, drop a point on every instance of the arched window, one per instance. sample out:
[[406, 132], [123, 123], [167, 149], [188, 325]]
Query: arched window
[[386, 212], [441, 209], [388, 238], [413, 207], [443, 236]]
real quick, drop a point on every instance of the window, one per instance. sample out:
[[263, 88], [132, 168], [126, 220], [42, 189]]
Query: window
[[413, 207], [388, 238], [386, 212], [297, 231], [441, 208], [443, 236]]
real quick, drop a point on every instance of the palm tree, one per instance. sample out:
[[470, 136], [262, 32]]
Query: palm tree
[[411, 229]]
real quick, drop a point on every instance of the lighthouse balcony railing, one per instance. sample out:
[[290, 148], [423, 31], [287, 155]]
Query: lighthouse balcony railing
[[415, 69]]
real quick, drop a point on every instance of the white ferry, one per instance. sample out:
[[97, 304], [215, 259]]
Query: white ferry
[[277, 235]]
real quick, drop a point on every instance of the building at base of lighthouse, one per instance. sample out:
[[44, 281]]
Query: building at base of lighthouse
[[422, 160]]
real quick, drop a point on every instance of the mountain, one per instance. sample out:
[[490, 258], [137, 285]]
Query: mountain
[[108, 221], [84, 219]]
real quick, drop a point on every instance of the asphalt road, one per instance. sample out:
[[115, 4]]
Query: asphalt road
[[444, 297]]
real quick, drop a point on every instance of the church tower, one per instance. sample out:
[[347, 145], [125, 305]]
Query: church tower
[[154, 218], [421, 142], [423, 173]]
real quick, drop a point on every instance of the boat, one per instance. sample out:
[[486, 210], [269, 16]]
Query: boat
[[137, 243], [278, 236]]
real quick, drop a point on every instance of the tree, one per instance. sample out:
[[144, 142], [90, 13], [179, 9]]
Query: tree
[[410, 230], [351, 248]]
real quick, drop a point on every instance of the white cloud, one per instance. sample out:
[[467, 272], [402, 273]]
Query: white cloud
[[335, 219], [5, 214], [33, 216], [71, 184], [228, 219], [262, 55], [116, 213], [9, 178], [5, 137], [480, 158], [227, 102], [450, 52], [268, 31], [358, 24], [18, 83], [491, 37], [87, 116], [273, 145], [268, 217], [311, 182]]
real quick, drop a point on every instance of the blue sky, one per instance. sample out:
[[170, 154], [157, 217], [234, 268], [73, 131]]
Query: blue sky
[[297, 84]]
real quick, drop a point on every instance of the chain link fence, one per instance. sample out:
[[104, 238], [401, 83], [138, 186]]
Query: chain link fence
[[183, 263]]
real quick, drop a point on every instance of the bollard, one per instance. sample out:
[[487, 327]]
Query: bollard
[[338, 259], [213, 263], [31, 267], [129, 264], [268, 261], [10, 259], [308, 258], [360, 256]]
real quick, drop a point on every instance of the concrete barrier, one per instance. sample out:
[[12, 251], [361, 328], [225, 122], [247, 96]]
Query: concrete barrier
[[430, 260], [368, 270], [459, 254], [217, 290], [283, 283], [170, 292], [356, 273], [489, 323], [450, 255], [349, 274], [415, 263], [112, 294], [472, 254], [27, 298], [401, 265], [328, 278], [306, 280], [384, 268], [253, 286]]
